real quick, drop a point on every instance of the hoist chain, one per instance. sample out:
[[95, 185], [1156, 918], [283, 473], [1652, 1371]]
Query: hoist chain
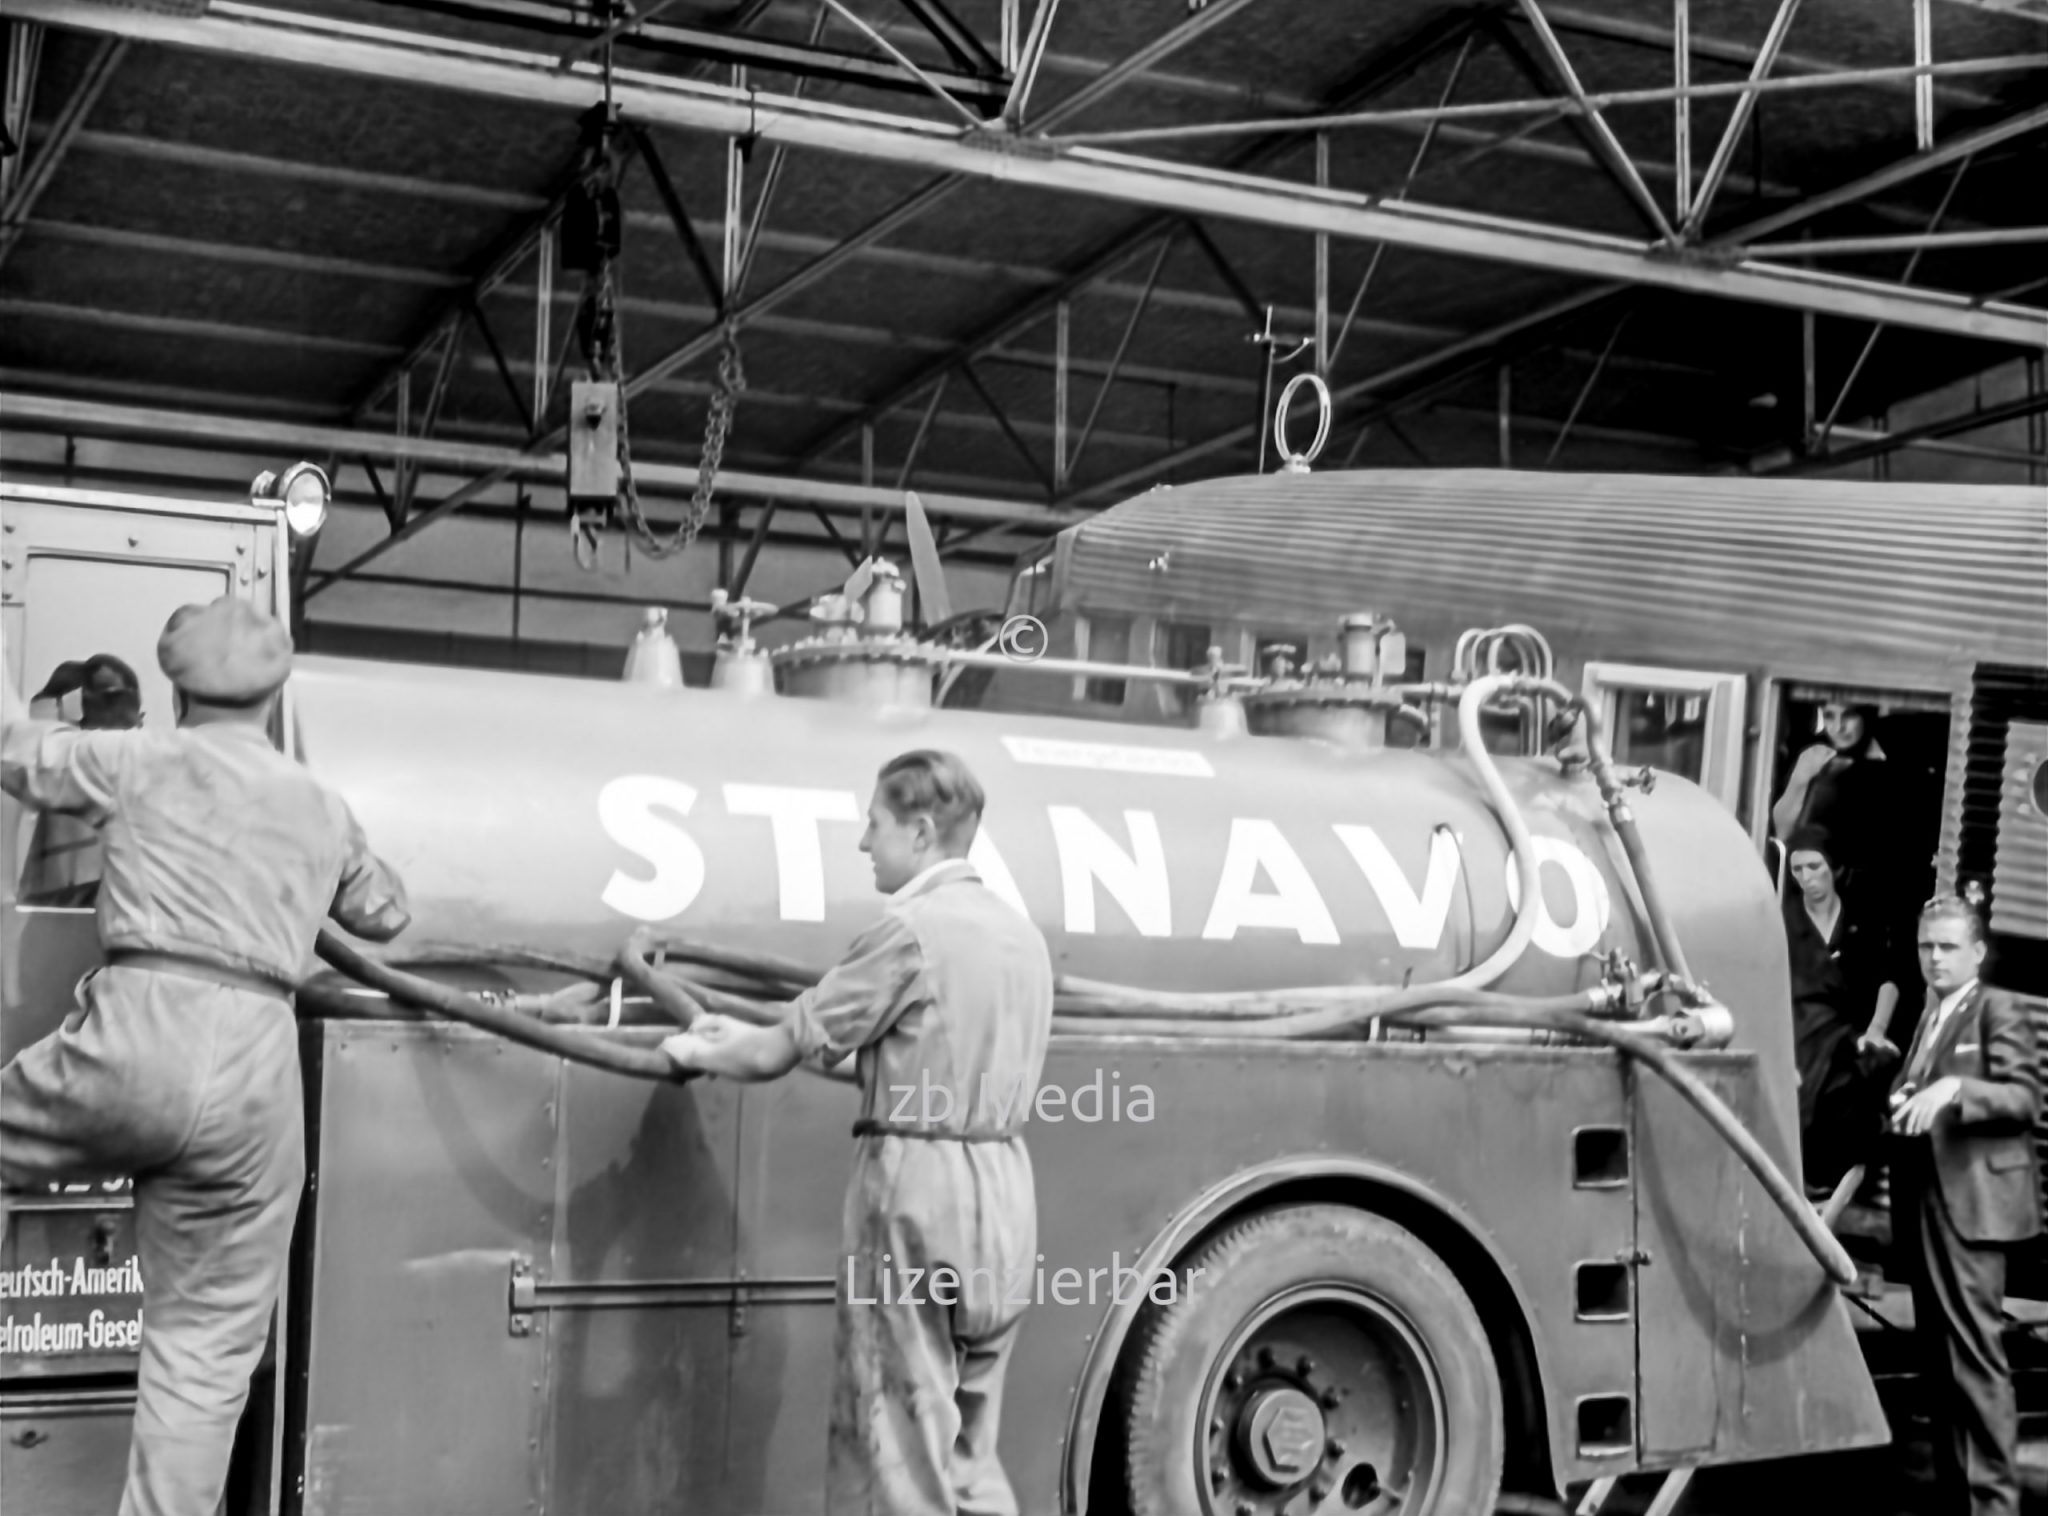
[[717, 427], [608, 365]]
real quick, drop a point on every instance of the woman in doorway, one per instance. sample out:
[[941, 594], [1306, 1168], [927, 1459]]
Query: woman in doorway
[[1844, 991], [1844, 786]]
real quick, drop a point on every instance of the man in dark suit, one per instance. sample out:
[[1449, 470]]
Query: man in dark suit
[[1963, 1189]]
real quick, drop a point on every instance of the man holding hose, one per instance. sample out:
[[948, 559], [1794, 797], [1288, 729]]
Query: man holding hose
[[180, 1065], [951, 988]]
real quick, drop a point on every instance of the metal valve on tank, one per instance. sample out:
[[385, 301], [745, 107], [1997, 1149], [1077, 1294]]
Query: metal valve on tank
[[862, 653], [1218, 710], [1343, 699], [654, 658], [882, 605], [837, 617], [740, 664], [1373, 647]]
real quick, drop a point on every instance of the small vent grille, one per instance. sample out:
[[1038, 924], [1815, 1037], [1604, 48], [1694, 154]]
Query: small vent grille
[[2007, 702], [2004, 698], [2019, 874]]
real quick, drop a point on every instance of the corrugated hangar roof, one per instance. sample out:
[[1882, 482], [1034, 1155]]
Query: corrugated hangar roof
[[272, 212]]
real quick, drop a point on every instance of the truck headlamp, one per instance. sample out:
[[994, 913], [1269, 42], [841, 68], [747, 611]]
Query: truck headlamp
[[304, 492]]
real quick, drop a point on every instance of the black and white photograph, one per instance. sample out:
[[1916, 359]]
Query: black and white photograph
[[1024, 758]]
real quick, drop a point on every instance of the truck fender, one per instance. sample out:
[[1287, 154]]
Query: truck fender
[[1501, 1300]]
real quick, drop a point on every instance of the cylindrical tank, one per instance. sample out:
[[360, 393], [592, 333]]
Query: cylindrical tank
[[558, 812]]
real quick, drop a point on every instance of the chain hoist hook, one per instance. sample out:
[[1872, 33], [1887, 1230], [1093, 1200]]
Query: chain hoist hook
[[582, 541]]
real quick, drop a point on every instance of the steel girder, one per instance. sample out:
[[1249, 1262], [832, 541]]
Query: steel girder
[[726, 45], [41, 170], [1121, 248], [251, 32], [1949, 426], [94, 418], [1409, 381]]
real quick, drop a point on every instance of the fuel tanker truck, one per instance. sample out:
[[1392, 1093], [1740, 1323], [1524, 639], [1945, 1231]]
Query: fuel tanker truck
[[1413, 1137]]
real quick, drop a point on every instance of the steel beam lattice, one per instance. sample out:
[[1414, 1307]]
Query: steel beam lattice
[[247, 31], [28, 186]]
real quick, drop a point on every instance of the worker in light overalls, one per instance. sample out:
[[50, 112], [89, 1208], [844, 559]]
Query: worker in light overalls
[[952, 990], [180, 1064]]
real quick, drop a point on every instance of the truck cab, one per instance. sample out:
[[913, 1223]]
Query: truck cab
[[83, 573]]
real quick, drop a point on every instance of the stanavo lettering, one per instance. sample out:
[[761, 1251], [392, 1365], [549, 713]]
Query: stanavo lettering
[[1112, 870]]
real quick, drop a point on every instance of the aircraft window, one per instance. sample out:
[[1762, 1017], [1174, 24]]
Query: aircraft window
[[1683, 721], [1184, 645], [1661, 729], [1295, 644], [1031, 590], [1107, 640]]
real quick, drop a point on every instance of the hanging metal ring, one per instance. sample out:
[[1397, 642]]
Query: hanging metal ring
[[1297, 463]]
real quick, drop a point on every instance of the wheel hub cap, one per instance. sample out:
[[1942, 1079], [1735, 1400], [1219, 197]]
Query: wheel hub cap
[[1280, 1435]]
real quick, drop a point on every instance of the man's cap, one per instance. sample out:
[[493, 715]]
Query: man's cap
[[107, 675], [113, 695], [228, 652]]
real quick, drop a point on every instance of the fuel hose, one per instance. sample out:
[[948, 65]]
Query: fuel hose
[[1622, 818], [1424, 1006], [597, 1049]]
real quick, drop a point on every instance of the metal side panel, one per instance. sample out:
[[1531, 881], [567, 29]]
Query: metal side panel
[[44, 951], [1747, 1350], [65, 1454], [796, 1156], [668, 1344], [634, 1294], [433, 1171]]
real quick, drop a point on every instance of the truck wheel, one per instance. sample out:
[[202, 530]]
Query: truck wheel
[[1326, 1362]]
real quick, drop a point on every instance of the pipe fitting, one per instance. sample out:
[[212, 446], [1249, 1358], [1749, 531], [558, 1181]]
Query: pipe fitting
[[1715, 1021]]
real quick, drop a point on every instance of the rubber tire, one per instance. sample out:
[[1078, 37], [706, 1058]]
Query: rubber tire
[[1176, 1346]]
